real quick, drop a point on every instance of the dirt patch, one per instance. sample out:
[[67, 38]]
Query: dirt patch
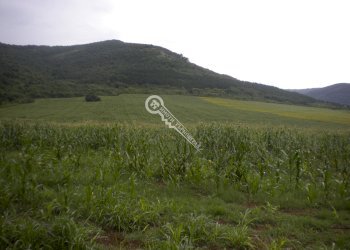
[[161, 183], [224, 222], [133, 244], [299, 211], [251, 205], [260, 227], [110, 238], [113, 239]]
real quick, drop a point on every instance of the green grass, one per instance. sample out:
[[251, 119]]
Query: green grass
[[284, 110], [129, 108], [109, 175]]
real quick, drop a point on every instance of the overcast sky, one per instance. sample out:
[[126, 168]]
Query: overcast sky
[[288, 44]]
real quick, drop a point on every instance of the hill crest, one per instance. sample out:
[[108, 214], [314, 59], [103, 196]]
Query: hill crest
[[112, 67]]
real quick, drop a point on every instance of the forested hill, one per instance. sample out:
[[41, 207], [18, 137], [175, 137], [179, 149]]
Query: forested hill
[[336, 93], [112, 67]]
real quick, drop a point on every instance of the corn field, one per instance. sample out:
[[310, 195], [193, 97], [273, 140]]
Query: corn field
[[82, 187]]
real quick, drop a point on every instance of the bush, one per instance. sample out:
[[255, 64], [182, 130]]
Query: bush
[[92, 98]]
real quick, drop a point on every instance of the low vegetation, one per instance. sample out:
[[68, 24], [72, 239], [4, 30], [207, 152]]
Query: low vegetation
[[135, 187], [109, 175]]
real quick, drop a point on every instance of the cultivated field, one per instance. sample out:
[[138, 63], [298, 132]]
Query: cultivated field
[[109, 175], [190, 110]]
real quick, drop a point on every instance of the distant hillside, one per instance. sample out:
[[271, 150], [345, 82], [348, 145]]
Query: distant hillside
[[336, 93], [113, 67]]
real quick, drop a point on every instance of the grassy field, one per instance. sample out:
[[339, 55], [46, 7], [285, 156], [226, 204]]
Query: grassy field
[[109, 175], [188, 109]]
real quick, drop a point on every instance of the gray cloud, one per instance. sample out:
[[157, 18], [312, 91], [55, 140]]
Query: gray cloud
[[51, 22]]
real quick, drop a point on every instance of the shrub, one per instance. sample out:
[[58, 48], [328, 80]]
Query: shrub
[[92, 98]]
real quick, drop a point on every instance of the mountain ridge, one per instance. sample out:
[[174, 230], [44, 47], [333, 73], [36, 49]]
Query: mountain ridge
[[112, 67]]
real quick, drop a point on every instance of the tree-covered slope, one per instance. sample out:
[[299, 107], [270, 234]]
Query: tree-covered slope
[[110, 67], [336, 93]]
